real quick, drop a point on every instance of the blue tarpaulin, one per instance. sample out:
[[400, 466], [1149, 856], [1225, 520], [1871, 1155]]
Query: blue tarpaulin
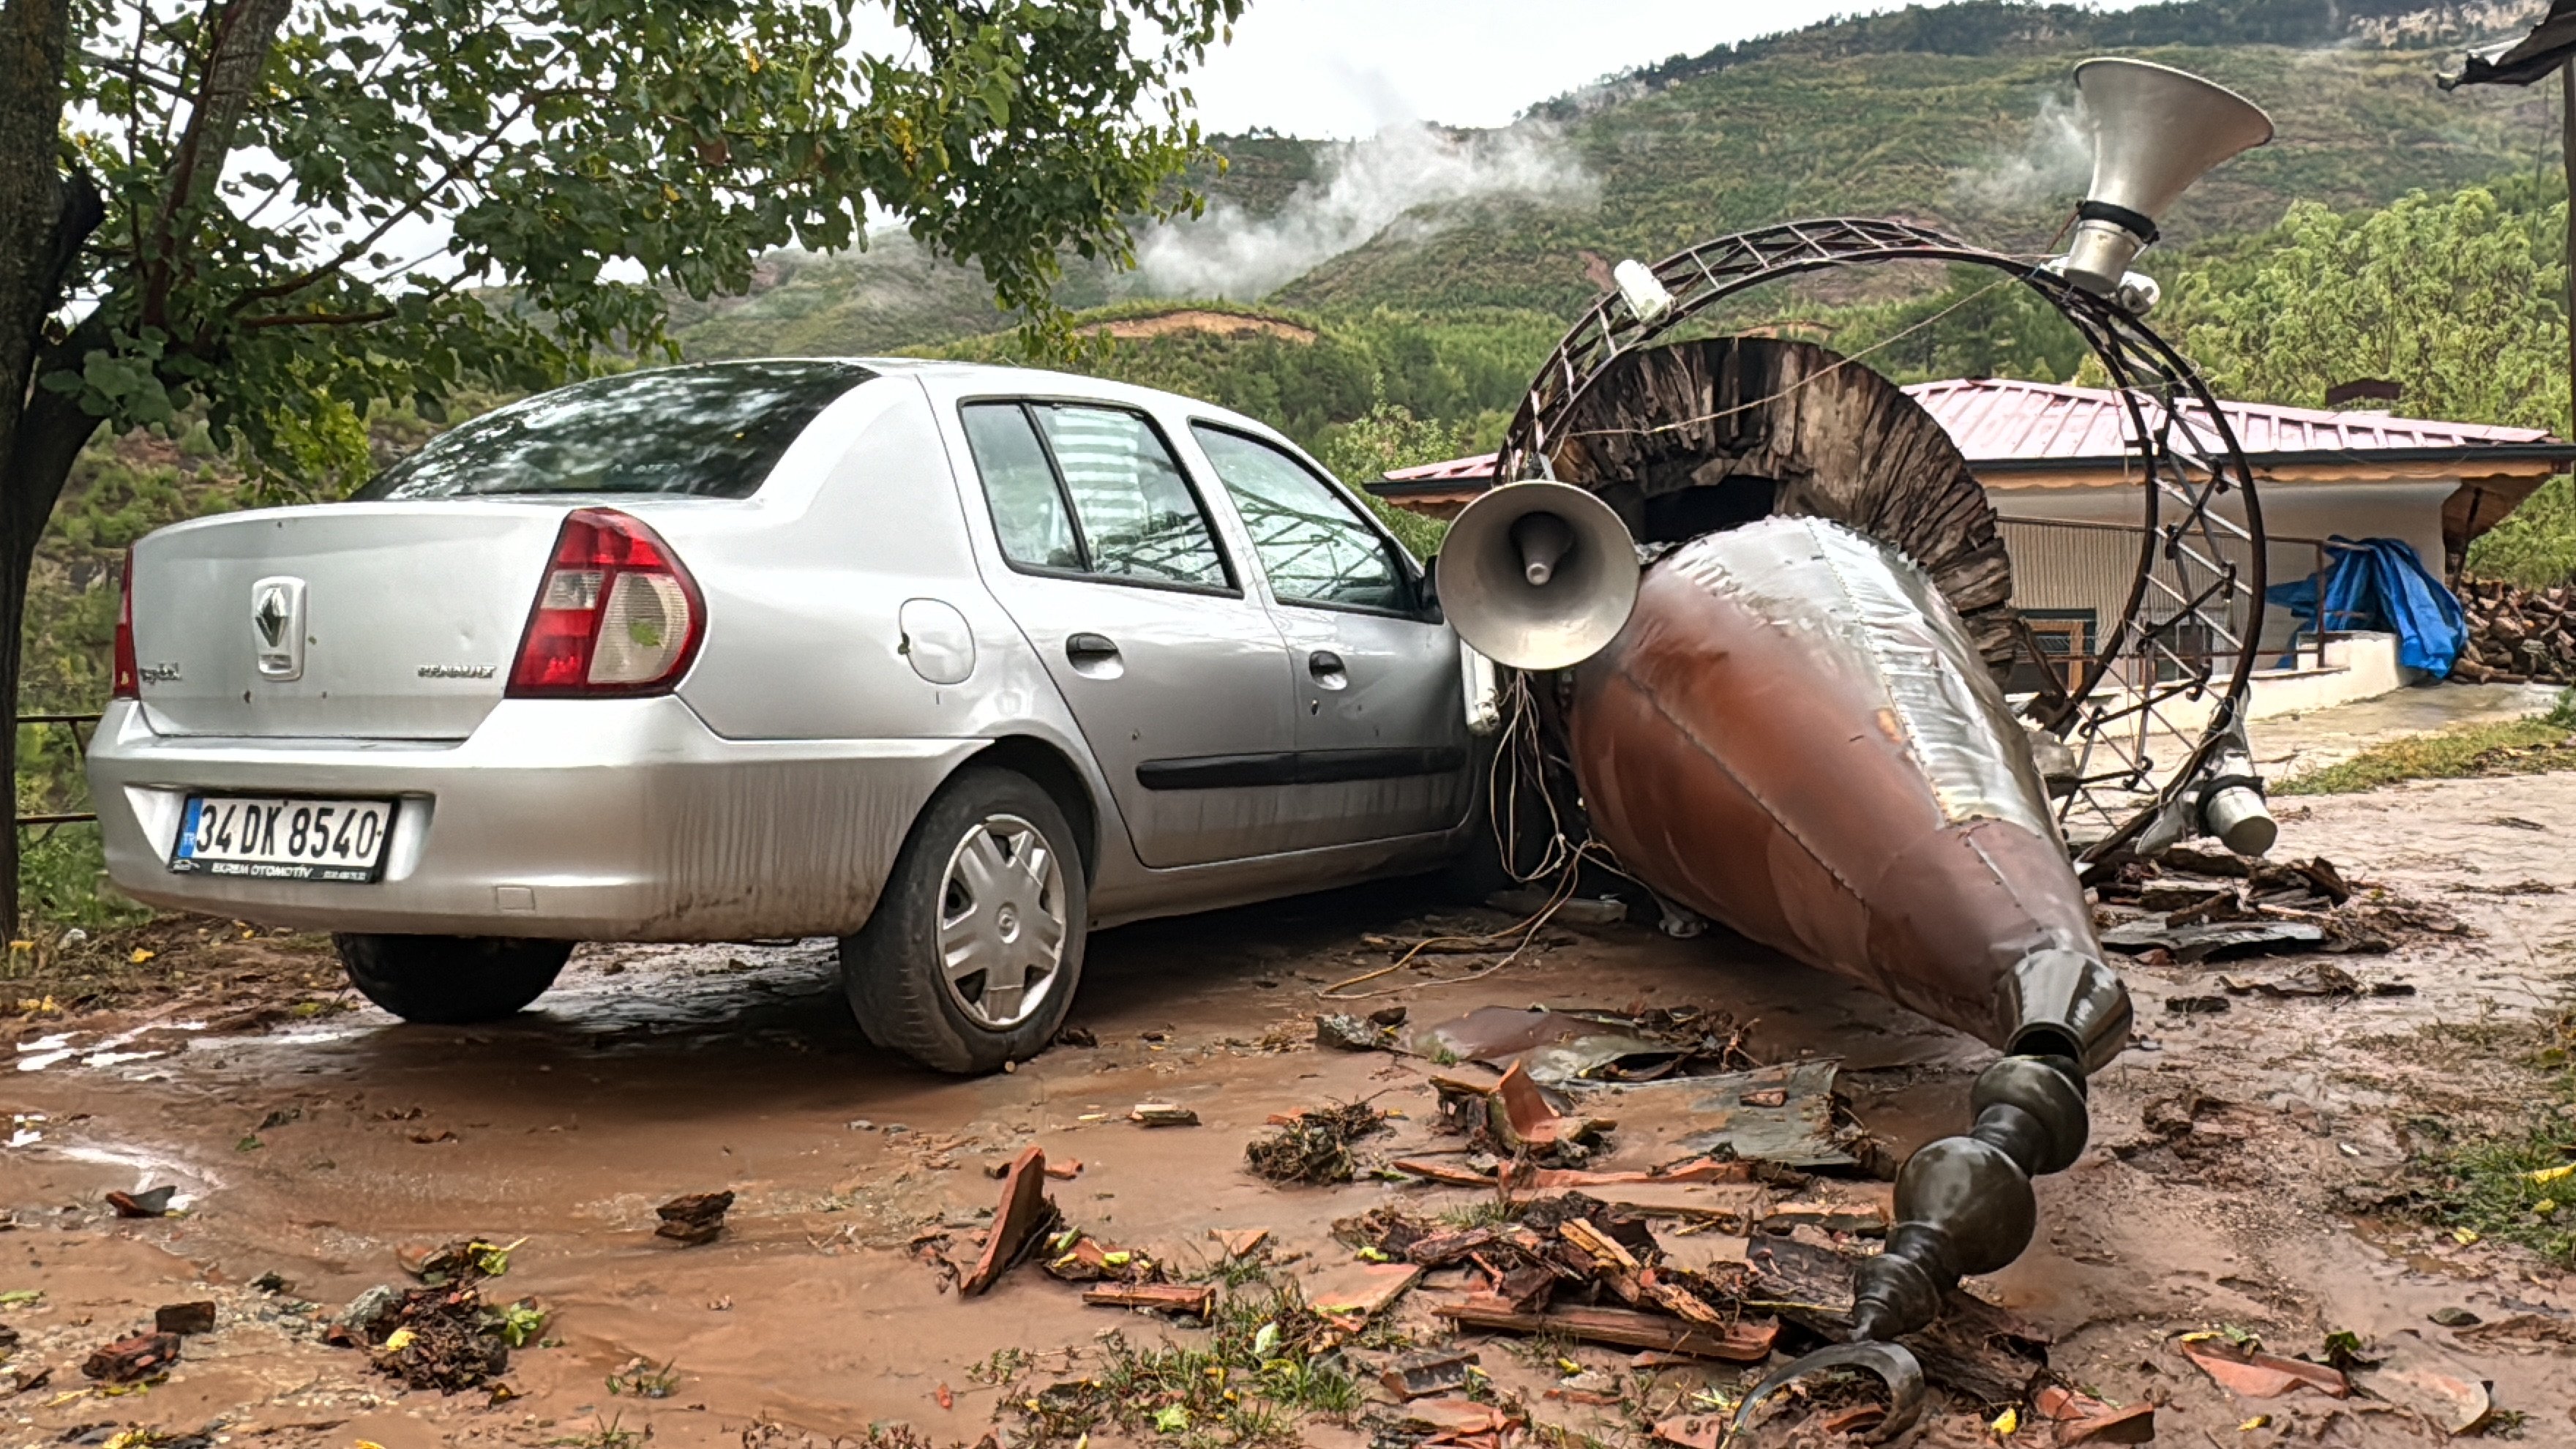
[[2380, 584]]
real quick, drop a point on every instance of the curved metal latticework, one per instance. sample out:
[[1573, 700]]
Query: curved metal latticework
[[2166, 681]]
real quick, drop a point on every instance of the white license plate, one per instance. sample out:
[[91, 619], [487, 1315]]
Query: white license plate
[[272, 837]]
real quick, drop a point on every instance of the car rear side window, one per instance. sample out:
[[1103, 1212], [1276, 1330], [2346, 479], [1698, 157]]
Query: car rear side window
[[1313, 545], [712, 430], [1029, 513], [1092, 489]]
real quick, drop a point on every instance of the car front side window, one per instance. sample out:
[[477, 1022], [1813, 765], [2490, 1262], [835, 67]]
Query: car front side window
[[1314, 546]]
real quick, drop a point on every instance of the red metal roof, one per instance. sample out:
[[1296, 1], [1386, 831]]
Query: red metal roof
[[2004, 424], [1479, 466], [1996, 420]]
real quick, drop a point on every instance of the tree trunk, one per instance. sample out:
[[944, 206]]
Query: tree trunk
[[2567, 162], [48, 439], [45, 216]]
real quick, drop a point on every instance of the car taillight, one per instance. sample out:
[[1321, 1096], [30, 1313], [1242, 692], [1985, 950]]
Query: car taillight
[[616, 613], [128, 683]]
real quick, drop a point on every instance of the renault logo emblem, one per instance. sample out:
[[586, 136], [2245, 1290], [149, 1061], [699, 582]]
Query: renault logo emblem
[[277, 621], [272, 617]]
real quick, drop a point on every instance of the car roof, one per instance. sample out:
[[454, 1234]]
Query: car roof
[[1035, 381]]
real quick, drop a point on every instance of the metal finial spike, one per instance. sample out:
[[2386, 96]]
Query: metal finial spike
[[1892, 1362]]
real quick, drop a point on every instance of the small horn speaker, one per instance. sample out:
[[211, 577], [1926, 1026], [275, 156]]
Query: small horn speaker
[[2156, 130], [1538, 575]]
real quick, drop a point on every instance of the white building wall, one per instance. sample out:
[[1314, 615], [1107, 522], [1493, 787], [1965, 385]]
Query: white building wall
[[2058, 569]]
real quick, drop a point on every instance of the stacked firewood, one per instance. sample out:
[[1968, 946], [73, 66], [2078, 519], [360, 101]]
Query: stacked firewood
[[2517, 635]]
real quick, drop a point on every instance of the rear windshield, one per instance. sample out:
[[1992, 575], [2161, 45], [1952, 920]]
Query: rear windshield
[[714, 431]]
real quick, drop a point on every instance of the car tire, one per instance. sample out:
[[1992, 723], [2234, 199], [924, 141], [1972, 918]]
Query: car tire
[[972, 955], [451, 980]]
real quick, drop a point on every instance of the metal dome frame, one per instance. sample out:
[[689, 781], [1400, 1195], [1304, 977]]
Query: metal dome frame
[[2185, 583]]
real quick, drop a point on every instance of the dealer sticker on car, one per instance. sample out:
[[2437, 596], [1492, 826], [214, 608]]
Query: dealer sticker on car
[[280, 838]]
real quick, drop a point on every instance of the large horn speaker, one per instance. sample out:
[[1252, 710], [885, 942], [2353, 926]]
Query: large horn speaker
[[1538, 575], [2156, 130]]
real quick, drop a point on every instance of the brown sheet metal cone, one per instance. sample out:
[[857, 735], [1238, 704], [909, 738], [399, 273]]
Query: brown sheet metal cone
[[1795, 737]]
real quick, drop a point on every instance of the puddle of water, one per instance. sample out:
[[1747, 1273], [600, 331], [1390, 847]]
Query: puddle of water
[[111, 1059], [152, 1167], [59, 1047]]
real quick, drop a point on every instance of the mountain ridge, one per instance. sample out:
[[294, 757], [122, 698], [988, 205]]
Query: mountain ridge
[[1959, 115]]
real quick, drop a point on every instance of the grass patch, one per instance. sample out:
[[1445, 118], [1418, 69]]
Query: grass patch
[[2513, 1184], [2513, 747], [1266, 1365]]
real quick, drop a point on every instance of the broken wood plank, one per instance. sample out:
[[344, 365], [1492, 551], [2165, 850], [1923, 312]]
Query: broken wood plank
[[1442, 1172], [1195, 1299], [1748, 1341], [1018, 1222], [1420, 1375]]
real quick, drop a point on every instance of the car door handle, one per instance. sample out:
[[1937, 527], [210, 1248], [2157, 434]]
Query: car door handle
[[1326, 666], [1094, 656]]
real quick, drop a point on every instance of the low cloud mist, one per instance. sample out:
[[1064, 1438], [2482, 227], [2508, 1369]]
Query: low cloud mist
[[2054, 160], [1365, 187]]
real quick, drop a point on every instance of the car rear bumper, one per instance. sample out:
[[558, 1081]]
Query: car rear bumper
[[572, 819]]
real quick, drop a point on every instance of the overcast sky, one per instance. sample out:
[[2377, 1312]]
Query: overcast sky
[[1346, 68]]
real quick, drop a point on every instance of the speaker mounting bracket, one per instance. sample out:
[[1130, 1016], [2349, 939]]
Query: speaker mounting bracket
[[2159, 696]]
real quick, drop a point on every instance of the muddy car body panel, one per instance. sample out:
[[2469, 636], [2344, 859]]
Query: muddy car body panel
[[864, 637]]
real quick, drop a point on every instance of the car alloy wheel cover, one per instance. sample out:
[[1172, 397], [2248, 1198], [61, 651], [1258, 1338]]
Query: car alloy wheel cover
[[1002, 922]]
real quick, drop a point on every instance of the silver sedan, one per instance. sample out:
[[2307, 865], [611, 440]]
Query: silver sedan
[[952, 662]]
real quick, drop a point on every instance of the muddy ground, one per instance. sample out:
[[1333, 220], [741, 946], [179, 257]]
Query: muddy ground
[[312, 1138]]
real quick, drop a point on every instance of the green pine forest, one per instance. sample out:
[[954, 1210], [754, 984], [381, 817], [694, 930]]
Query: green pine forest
[[2392, 231]]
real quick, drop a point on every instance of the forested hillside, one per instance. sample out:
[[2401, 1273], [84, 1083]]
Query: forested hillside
[[1961, 115]]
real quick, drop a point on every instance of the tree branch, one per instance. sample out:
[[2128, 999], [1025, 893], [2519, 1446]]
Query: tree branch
[[51, 433], [455, 174], [316, 319], [244, 31]]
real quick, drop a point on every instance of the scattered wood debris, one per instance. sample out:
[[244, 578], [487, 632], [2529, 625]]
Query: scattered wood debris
[[2188, 906], [1162, 1114], [1512, 1118], [2082, 1419], [461, 1261], [1314, 1146], [435, 1337], [1437, 1371], [2516, 635], [1022, 1221], [152, 1204], [1557, 1048], [184, 1318], [1746, 1341], [1239, 1242], [2318, 978], [2245, 1370], [1195, 1299], [1077, 1257], [693, 1219], [132, 1360], [1371, 1033]]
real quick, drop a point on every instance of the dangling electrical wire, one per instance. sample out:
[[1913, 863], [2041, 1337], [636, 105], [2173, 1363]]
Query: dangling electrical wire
[[1519, 753]]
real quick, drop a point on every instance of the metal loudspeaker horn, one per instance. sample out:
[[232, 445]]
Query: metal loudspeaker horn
[[2156, 130], [1538, 575]]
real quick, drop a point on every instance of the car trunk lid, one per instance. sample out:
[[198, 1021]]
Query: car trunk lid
[[357, 620]]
